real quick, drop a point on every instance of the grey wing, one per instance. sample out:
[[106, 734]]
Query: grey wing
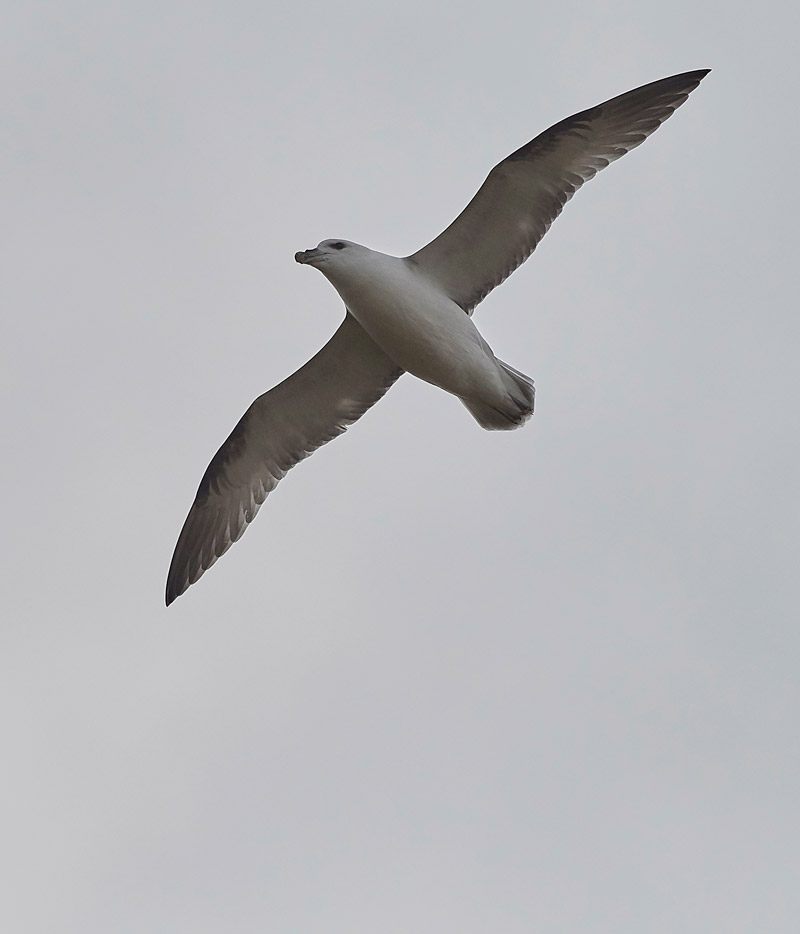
[[522, 195], [280, 428]]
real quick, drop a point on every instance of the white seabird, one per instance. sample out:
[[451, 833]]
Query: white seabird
[[413, 314]]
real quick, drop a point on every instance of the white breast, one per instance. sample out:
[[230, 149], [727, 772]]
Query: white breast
[[415, 323]]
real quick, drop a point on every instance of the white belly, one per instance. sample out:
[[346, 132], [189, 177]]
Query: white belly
[[423, 331]]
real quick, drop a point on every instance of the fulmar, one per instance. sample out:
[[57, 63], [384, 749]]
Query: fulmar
[[414, 314]]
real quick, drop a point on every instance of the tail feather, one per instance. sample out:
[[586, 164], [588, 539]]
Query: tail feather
[[514, 410]]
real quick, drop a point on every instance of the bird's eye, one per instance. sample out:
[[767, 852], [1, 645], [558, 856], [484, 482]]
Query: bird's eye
[[338, 245]]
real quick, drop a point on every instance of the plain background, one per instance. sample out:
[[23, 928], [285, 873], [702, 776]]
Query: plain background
[[450, 680]]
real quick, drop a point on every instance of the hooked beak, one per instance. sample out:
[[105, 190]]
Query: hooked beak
[[308, 256]]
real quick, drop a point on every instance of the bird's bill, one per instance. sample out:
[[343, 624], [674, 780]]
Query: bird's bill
[[308, 256]]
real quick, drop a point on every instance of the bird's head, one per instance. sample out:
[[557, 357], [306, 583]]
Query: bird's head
[[332, 255]]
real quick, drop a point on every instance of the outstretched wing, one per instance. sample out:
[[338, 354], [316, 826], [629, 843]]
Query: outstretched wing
[[522, 195], [280, 428]]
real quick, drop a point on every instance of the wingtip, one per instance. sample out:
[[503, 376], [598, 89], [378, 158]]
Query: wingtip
[[697, 75], [172, 592], [684, 78]]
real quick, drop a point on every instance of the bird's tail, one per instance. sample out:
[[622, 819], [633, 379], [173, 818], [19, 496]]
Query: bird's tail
[[516, 408]]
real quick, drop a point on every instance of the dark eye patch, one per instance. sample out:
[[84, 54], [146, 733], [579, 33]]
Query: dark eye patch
[[338, 245]]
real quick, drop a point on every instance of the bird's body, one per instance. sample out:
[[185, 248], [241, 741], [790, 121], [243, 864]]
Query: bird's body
[[417, 325], [413, 314]]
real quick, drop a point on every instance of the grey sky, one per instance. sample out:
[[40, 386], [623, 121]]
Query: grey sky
[[450, 680]]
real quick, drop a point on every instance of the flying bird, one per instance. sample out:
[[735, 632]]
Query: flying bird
[[414, 314]]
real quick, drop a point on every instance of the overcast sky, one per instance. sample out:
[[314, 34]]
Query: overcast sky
[[450, 680]]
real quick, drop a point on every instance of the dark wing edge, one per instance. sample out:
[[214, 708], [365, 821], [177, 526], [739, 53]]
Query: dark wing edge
[[283, 426], [525, 192]]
